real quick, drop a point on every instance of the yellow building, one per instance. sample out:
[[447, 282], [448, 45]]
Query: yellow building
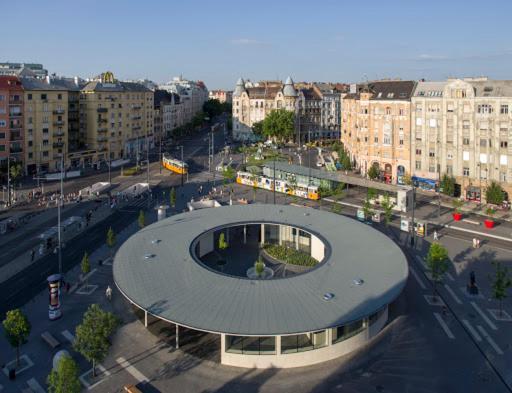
[[46, 118], [117, 117], [376, 127]]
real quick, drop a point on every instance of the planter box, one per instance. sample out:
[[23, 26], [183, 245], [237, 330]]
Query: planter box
[[457, 216], [489, 224]]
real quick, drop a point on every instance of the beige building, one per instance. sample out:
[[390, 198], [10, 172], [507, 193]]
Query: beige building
[[461, 128], [375, 123], [117, 117], [252, 104], [47, 121]]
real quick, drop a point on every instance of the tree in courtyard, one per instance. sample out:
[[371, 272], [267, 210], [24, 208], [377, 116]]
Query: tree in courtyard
[[64, 378], [500, 284], [387, 205], [448, 185], [373, 172], [345, 163], [15, 171], [85, 266], [141, 219], [92, 335], [259, 267], [17, 329], [280, 124], [494, 194], [223, 244], [111, 240], [172, 197], [228, 173], [257, 127], [437, 262]]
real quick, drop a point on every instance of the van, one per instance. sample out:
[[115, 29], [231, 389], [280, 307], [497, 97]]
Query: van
[[131, 389]]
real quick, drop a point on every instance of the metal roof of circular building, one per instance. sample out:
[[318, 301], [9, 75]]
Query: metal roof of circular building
[[362, 271]]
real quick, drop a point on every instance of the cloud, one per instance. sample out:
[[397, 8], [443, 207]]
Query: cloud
[[245, 41], [473, 56], [426, 56]]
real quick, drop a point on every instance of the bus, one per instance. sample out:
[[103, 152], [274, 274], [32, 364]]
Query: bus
[[282, 186], [174, 165]]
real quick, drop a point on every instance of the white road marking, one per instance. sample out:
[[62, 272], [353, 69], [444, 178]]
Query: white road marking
[[34, 385], [454, 296], [444, 325], [418, 278], [490, 340], [68, 336], [420, 260], [450, 277], [472, 330], [131, 369], [88, 275], [492, 325]]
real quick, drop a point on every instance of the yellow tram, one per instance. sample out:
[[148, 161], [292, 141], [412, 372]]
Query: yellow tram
[[282, 186], [174, 165]]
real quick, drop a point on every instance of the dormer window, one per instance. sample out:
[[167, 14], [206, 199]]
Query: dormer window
[[391, 95]]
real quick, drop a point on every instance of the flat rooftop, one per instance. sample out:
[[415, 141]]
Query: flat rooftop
[[173, 286]]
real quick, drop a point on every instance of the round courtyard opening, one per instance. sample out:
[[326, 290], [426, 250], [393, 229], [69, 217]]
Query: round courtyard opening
[[328, 292]]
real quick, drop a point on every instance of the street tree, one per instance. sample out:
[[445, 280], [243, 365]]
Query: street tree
[[228, 173], [17, 329], [92, 335], [111, 240], [387, 205], [172, 197], [367, 208], [279, 123], [257, 127], [345, 163], [494, 194], [500, 284], [141, 219], [85, 266], [64, 378], [448, 185], [437, 262], [373, 172]]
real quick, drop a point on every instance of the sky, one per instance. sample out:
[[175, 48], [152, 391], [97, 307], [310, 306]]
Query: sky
[[218, 41]]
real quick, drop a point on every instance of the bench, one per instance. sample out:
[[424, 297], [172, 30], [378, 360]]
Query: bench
[[131, 389], [470, 221], [50, 340]]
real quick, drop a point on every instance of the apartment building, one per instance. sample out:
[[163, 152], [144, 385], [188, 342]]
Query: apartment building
[[117, 118], [11, 120], [330, 116], [47, 122], [376, 127], [462, 127], [193, 95], [23, 70], [167, 114], [221, 95], [252, 104]]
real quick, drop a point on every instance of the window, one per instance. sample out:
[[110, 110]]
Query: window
[[465, 155], [465, 171], [484, 108], [2, 135], [2, 97], [45, 153], [251, 345], [401, 138], [465, 141], [504, 109], [449, 156], [418, 152], [418, 165], [401, 111], [465, 124], [449, 107], [419, 108], [59, 96], [2, 147], [503, 159], [503, 176], [376, 139], [303, 342], [483, 158], [388, 109], [431, 153], [341, 333], [3, 123], [431, 168], [419, 121], [29, 96], [30, 155], [391, 95], [432, 123], [449, 169], [483, 142], [43, 96], [503, 144]]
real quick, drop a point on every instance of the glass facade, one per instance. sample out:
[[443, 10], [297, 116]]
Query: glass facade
[[341, 333], [251, 345], [303, 342]]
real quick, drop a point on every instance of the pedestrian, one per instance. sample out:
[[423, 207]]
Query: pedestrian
[[32, 255], [436, 237], [108, 293]]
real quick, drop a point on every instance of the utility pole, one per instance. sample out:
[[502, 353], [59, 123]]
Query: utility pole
[[183, 165], [413, 207], [109, 164], [274, 181], [213, 156], [8, 181], [59, 202], [147, 159], [160, 155]]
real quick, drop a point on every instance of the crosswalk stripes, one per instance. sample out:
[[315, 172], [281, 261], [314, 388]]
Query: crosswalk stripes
[[485, 318], [444, 325], [125, 364], [35, 386], [472, 330], [454, 296], [490, 340], [68, 336], [418, 278]]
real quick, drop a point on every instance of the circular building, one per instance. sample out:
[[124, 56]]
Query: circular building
[[175, 270]]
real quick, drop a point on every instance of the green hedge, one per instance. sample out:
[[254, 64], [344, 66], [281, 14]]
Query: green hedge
[[290, 255]]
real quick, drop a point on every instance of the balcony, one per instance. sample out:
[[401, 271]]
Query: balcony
[[111, 98], [15, 114], [102, 148], [136, 128], [58, 133], [102, 139], [136, 107], [100, 120], [58, 123], [15, 100], [15, 137], [58, 111], [102, 110], [16, 150], [136, 117], [103, 129], [58, 144]]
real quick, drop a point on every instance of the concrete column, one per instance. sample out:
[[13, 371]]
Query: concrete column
[[227, 235], [262, 234], [145, 318], [296, 238], [177, 336], [245, 234], [278, 345]]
